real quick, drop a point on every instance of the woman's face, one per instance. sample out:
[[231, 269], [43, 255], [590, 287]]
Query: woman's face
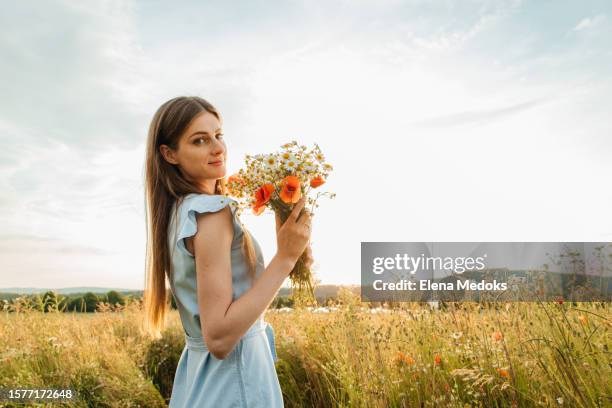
[[201, 153]]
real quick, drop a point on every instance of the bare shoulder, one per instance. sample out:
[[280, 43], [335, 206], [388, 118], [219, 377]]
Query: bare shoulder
[[214, 231]]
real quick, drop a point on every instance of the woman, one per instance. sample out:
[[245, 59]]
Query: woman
[[214, 266]]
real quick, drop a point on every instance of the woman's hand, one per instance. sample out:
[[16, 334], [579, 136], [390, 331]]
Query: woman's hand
[[293, 236], [309, 259]]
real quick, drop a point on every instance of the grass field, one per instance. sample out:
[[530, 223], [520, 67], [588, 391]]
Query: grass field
[[501, 355]]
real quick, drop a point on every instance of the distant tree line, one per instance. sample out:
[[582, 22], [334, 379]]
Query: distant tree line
[[88, 302], [51, 301]]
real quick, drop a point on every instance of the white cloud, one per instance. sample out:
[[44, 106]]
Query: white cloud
[[482, 116], [589, 22]]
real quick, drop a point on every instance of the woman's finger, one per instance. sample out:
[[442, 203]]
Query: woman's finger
[[296, 210], [278, 221], [305, 218], [309, 259]]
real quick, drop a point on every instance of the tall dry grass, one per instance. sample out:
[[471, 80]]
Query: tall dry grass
[[100, 355], [498, 355]]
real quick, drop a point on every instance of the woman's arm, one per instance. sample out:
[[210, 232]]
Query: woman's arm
[[224, 322]]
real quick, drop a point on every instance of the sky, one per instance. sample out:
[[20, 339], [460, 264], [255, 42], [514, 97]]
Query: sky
[[444, 121]]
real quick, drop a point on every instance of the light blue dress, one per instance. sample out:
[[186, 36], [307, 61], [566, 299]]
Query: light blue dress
[[247, 376]]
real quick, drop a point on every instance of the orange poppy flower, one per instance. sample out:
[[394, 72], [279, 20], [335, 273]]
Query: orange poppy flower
[[503, 373], [497, 336], [262, 196], [235, 178], [290, 190], [317, 181], [234, 182], [437, 360], [258, 210], [401, 358]]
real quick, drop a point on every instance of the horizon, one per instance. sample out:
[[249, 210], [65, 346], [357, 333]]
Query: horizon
[[122, 288]]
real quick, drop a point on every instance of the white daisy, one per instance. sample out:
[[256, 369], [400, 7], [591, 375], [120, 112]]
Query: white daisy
[[309, 167], [287, 156], [270, 161], [290, 165]]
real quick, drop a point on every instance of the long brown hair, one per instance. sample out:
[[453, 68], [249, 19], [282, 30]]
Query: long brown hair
[[165, 185]]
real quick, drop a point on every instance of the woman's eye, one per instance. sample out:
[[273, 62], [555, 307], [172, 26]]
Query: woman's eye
[[201, 140]]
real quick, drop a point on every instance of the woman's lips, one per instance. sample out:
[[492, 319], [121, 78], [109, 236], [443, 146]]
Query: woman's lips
[[219, 163]]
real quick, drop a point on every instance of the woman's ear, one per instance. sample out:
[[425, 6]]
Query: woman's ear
[[168, 154]]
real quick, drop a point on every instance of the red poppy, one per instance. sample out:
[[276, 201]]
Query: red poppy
[[290, 190], [317, 181], [262, 196]]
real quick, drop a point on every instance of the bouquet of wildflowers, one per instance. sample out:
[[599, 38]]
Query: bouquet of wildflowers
[[277, 181]]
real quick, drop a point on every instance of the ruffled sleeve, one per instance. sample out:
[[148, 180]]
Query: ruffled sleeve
[[199, 203]]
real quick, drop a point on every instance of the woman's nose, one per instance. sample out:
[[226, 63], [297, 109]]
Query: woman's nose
[[219, 147]]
